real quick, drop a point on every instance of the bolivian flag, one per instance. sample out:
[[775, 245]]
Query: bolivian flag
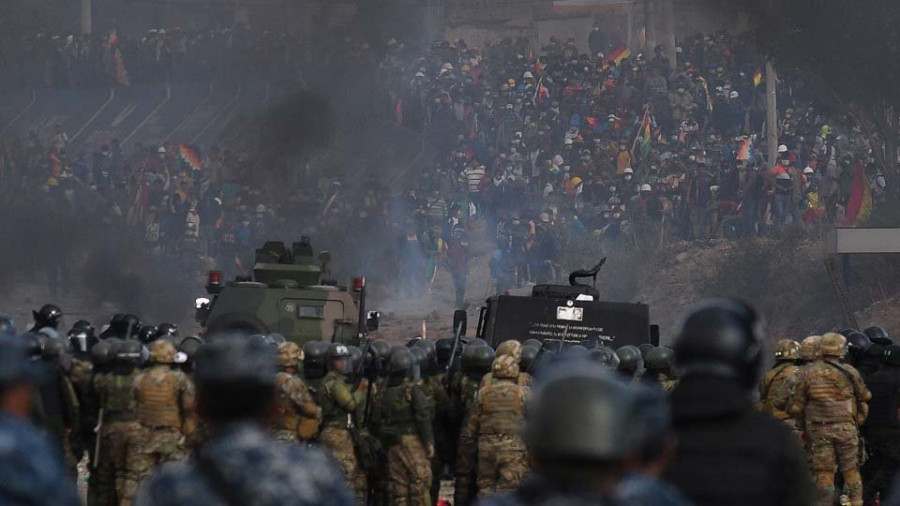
[[859, 203], [618, 55], [757, 77]]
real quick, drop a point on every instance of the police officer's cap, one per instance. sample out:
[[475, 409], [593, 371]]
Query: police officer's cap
[[581, 413], [231, 359], [723, 338]]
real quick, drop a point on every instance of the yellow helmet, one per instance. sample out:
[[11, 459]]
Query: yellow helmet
[[809, 348], [833, 345], [289, 354], [787, 349], [505, 367], [511, 347], [162, 351]]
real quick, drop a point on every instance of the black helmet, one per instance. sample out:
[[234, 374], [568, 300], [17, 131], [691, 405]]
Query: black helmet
[[605, 357], [631, 363], [147, 334], [339, 352], [274, 338], [128, 352], [100, 353], [382, 355], [721, 337], [442, 349], [85, 326], [428, 362], [167, 329], [48, 315], [645, 348], [477, 342], [529, 355], [114, 326], [314, 354], [857, 344], [401, 362], [660, 359], [476, 360], [532, 342], [878, 335], [355, 356], [581, 413], [576, 351], [81, 341], [128, 326], [51, 348]]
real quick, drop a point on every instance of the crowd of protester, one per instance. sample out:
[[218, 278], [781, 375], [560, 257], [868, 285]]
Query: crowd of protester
[[545, 148]]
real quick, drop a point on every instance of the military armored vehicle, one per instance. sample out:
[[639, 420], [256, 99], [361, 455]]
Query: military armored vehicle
[[288, 294], [567, 315]]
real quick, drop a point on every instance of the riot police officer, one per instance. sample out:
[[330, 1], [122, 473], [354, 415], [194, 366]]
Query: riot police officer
[[882, 428], [339, 401], [728, 452], [402, 419], [49, 315]]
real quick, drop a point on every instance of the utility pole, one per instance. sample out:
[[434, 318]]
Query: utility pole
[[771, 113], [649, 30], [668, 12], [85, 17]]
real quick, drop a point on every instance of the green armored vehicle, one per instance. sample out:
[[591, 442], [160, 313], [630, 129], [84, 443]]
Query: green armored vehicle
[[288, 295]]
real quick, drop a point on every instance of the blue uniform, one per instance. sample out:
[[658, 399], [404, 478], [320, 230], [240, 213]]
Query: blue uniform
[[31, 469], [244, 465]]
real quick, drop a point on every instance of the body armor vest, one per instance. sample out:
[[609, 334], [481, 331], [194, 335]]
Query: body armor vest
[[119, 403], [157, 402], [502, 408]]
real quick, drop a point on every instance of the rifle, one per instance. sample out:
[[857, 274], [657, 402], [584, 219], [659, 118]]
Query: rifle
[[460, 319], [96, 460]]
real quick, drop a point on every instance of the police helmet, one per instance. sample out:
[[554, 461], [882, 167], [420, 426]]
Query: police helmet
[[605, 357], [443, 347], [147, 334], [314, 358], [581, 413], [100, 353], [400, 362], [660, 359], [721, 338], [167, 329], [7, 326], [645, 349], [529, 355], [631, 362], [892, 355], [128, 352], [49, 315], [878, 335]]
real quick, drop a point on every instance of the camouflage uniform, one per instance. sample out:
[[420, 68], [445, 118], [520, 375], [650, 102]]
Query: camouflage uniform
[[338, 404], [493, 424], [778, 385], [254, 469], [116, 397], [402, 417], [831, 401], [165, 404], [298, 412]]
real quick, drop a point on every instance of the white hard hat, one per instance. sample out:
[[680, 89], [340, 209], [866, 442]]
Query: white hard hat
[[628, 170], [809, 170], [568, 142], [646, 188], [448, 66], [782, 149], [734, 94], [419, 74], [527, 75], [161, 150]]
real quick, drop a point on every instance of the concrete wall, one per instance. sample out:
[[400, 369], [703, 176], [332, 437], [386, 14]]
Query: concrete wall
[[562, 29], [480, 36]]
